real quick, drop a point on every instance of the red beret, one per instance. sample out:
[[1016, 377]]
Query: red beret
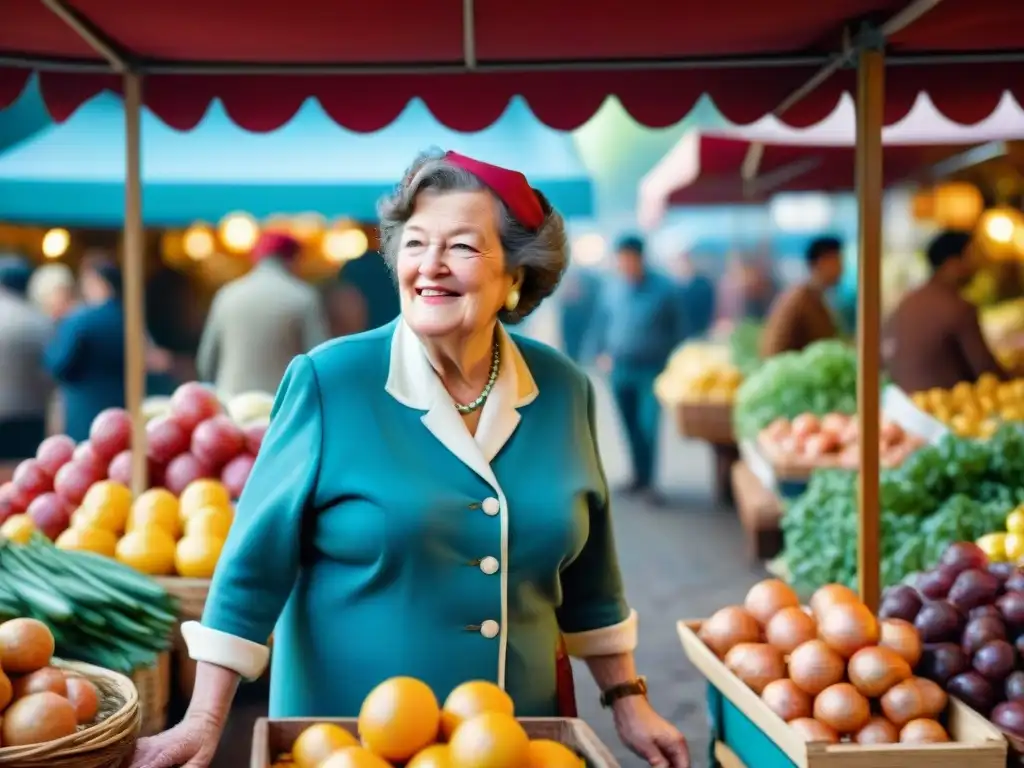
[[279, 244], [511, 187]]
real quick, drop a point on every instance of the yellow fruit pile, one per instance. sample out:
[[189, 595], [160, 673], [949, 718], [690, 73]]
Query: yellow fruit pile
[[1008, 546], [698, 373], [975, 410], [401, 723], [156, 533]]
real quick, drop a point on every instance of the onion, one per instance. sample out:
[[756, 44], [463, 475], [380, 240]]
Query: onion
[[902, 637], [934, 699], [756, 664], [848, 627], [728, 628], [767, 598], [813, 666], [789, 628], [877, 731], [810, 730], [842, 708], [923, 731], [829, 595], [903, 702], [875, 670], [786, 700]]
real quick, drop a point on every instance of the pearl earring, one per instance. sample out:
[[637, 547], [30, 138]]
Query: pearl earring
[[512, 300]]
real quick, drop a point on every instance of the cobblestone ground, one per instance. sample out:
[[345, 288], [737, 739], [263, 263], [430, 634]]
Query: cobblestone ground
[[682, 561]]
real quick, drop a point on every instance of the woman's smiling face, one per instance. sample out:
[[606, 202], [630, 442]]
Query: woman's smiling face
[[451, 266]]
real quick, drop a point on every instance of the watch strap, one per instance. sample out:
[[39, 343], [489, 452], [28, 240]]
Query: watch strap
[[637, 687]]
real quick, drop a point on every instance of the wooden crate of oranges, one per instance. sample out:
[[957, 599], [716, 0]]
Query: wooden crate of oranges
[[402, 724]]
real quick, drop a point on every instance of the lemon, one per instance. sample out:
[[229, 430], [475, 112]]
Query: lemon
[[149, 550], [209, 521], [159, 515], [196, 556], [1015, 521], [18, 528], [204, 493], [106, 517], [1014, 547], [87, 539], [111, 501], [994, 546]]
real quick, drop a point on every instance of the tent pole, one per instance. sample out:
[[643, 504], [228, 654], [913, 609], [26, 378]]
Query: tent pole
[[134, 279], [870, 108]]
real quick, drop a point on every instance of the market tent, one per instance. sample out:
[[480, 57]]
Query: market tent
[[365, 61], [710, 167], [73, 173]]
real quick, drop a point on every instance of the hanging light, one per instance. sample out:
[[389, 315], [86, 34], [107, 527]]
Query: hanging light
[[588, 249], [343, 244], [198, 242], [56, 243], [999, 226], [238, 232], [801, 212], [957, 205]]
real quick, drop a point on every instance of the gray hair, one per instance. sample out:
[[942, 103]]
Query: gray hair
[[46, 280], [541, 255]]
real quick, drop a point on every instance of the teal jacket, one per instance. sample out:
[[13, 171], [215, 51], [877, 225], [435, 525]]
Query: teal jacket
[[378, 537]]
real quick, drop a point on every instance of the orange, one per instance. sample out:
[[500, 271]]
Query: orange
[[399, 718], [196, 557], [203, 493], [88, 539], [318, 742], [544, 753], [107, 518], [18, 528], [112, 500], [210, 521], [471, 699], [490, 740], [156, 510], [436, 756], [149, 550], [354, 757]]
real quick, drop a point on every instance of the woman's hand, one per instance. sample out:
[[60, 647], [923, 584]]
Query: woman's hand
[[192, 743], [649, 735]]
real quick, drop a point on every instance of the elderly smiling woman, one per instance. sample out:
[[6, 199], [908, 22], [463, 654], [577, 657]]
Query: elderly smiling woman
[[429, 500]]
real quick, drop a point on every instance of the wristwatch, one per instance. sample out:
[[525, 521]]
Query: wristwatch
[[637, 687]]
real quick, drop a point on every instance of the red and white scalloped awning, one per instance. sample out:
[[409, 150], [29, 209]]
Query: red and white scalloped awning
[[364, 61], [707, 167]]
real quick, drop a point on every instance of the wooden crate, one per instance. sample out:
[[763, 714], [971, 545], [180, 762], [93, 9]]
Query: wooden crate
[[711, 422], [273, 737], [154, 687], [190, 596], [760, 512], [978, 743]]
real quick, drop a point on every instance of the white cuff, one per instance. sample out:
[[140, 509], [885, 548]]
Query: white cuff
[[605, 641], [243, 656]]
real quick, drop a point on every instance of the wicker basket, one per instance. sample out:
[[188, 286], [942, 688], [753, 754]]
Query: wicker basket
[[154, 687], [106, 744]]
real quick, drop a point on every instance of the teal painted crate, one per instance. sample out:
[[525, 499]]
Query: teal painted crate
[[760, 739]]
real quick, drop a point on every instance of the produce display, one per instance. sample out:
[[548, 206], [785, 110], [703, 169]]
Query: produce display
[[974, 410], [831, 441], [834, 672], [39, 702], [819, 380], [745, 345], [1006, 546], [969, 613], [956, 489], [698, 372], [401, 723], [97, 610]]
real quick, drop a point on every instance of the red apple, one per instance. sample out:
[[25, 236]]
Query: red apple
[[254, 437], [166, 437], [183, 470], [13, 501], [236, 473], [31, 478], [51, 514], [86, 454], [193, 403], [217, 441], [111, 432], [120, 469], [74, 479], [54, 452]]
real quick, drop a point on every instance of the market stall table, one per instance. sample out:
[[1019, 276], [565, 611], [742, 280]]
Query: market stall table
[[712, 423]]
